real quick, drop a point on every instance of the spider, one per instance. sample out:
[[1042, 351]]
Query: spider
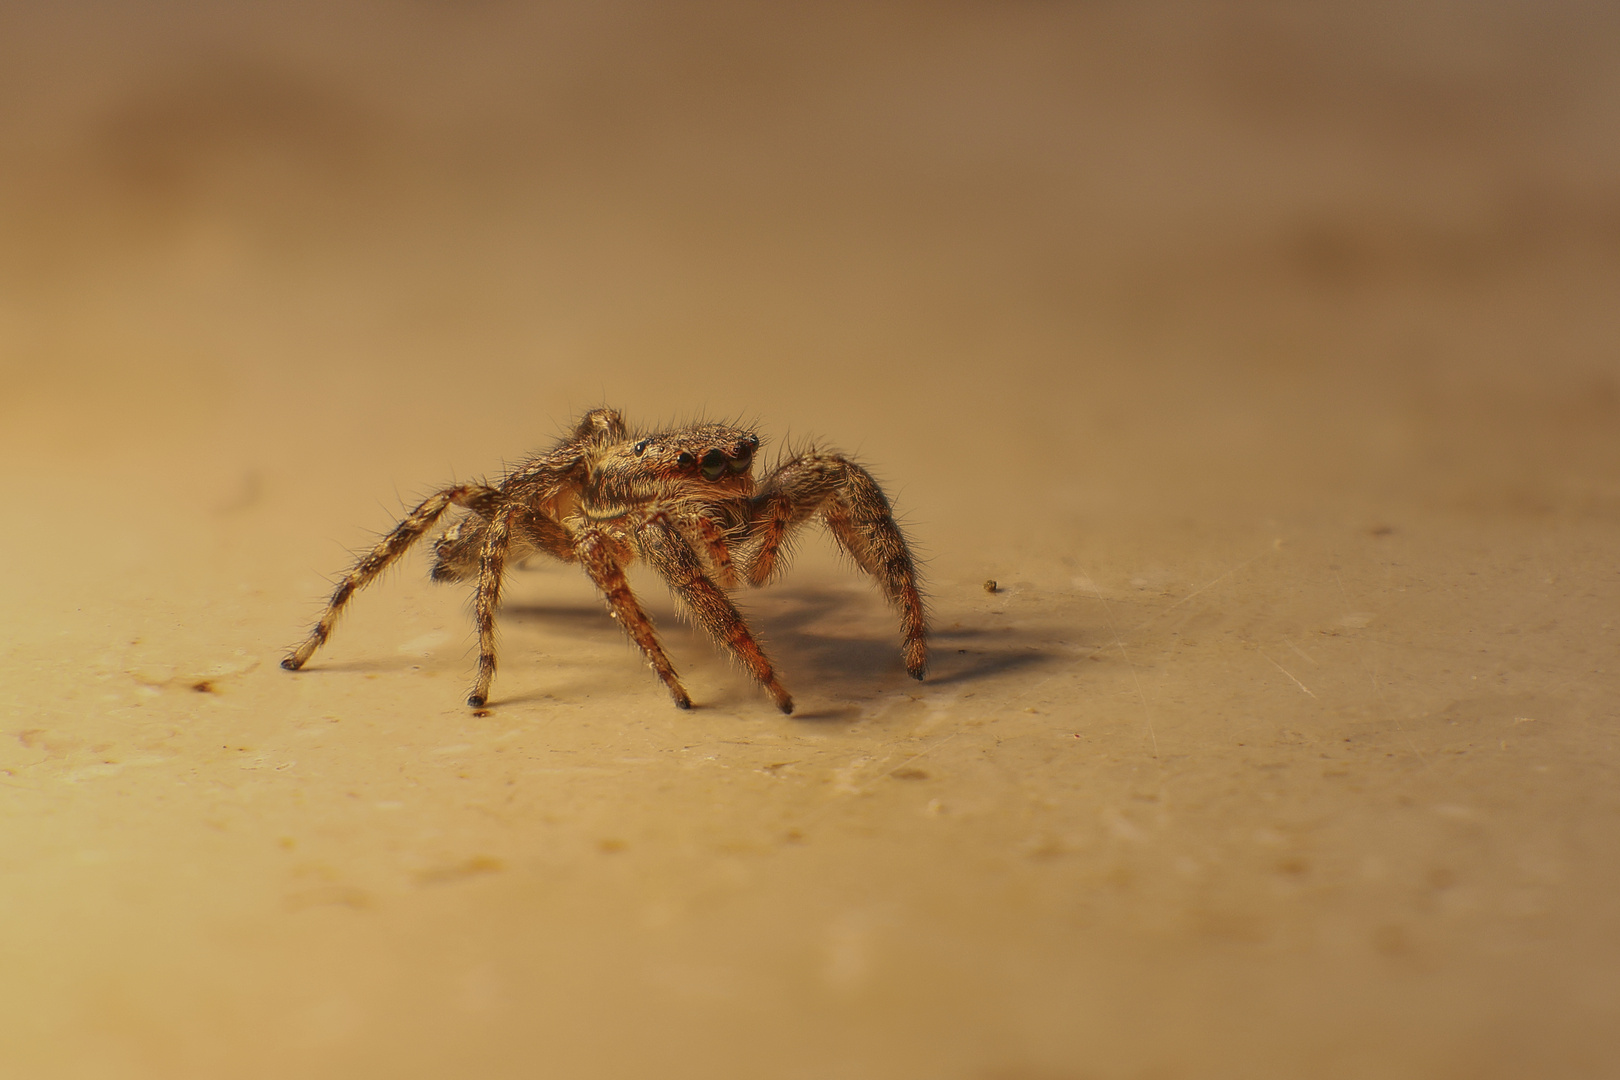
[[685, 500]]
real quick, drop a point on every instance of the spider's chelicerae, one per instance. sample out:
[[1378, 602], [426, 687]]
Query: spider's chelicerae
[[683, 499]]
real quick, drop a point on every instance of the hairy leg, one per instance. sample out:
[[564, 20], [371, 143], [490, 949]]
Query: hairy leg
[[477, 497], [457, 553], [668, 553], [491, 573], [607, 574], [535, 485], [860, 519], [711, 539]]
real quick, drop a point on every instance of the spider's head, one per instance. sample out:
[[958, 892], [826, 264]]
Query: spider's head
[[706, 460]]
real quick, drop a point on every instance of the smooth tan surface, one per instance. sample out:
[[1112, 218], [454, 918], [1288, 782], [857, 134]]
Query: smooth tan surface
[[1266, 358]]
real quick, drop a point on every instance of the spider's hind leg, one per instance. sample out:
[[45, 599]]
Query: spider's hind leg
[[389, 548], [458, 553]]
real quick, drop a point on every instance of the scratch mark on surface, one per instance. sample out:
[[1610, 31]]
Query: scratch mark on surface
[[1206, 585], [924, 752], [1286, 672], [844, 779]]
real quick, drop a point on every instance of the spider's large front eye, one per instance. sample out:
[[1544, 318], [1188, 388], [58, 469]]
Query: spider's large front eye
[[714, 463]]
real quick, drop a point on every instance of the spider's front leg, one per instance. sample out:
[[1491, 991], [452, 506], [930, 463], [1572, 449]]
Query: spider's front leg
[[606, 571], [857, 512], [668, 552]]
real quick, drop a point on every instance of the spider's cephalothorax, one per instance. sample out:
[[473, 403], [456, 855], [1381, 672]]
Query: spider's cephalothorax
[[686, 501]]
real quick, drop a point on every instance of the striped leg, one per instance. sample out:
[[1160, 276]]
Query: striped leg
[[861, 520], [705, 531], [607, 573], [399, 539], [668, 553], [864, 525], [491, 573]]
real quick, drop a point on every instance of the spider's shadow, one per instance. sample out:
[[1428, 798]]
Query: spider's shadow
[[820, 635]]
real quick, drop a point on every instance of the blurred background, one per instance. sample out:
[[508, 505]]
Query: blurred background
[[1244, 325], [434, 232]]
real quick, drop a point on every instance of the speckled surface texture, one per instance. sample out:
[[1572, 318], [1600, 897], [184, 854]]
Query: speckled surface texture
[[1264, 357]]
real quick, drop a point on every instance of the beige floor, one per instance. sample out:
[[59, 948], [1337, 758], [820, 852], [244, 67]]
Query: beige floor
[[1267, 359]]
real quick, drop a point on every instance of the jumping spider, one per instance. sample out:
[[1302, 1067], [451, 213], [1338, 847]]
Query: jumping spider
[[683, 499]]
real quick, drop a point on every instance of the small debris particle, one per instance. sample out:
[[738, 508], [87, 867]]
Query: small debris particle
[[480, 712], [611, 847], [794, 836], [990, 586], [204, 686], [909, 774]]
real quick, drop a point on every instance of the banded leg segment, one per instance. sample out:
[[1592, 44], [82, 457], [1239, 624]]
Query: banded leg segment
[[477, 497], [863, 523], [861, 520], [607, 574], [705, 531], [491, 573], [787, 498], [456, 554], [668, 553]]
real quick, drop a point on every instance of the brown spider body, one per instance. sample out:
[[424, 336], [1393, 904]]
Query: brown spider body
[[686, 501]]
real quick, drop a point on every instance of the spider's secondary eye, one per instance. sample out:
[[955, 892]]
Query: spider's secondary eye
[[641, 447], [743, 458], [714, 463], [685, 460]]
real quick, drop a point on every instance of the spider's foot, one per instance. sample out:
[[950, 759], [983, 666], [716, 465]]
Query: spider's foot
[[292, 663], [681, 700], [915, 655], [783, 701], [476, 700]]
